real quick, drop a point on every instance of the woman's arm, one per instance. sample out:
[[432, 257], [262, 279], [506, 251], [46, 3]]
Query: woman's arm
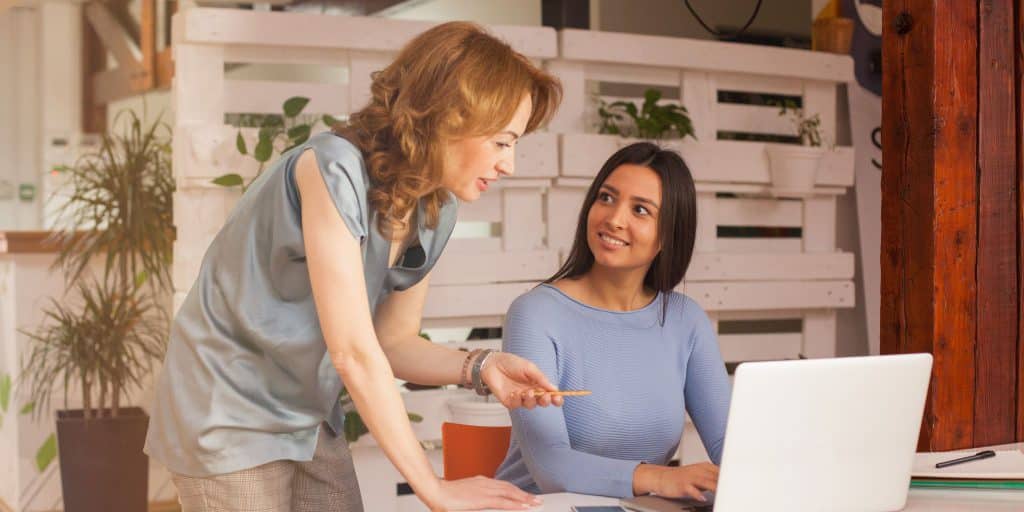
[[707, 390], [336, 273], [412, 358]]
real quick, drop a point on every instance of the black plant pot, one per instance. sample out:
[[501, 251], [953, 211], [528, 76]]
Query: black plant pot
[[102, 467]]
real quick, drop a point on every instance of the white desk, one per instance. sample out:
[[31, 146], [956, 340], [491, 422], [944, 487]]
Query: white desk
[[919, 500]]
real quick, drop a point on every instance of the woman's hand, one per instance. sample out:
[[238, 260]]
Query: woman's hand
[[479, 493], [513, 380], [676, 482]]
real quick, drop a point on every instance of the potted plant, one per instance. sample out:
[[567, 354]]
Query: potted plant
[[651, 121], [101, 340], [794, 167]]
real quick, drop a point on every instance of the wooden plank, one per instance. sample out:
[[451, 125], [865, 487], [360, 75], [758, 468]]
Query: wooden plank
[[275, 54], [737, 348], [819, 334], [819, 222], [629, 74], [147, 39], [770, 267], [261, 96], [570, 116], [361, 66], [485, 209], [522, 214], [698, 94], [759, 245], [537, 156], [94, 59], [710, 161], [753, 119], [929, 204], [995, 399], [594, 46], [472, 300], [1019, 58], [707, 222], [460, 267], [758, 212], [235, 27], [820, 98], [758, 84], [768, 295]]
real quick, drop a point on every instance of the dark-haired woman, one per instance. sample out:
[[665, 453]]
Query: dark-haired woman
[[609, 321]]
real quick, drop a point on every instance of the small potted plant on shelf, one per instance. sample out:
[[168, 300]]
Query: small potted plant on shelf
[[794, 167], [652, 120]]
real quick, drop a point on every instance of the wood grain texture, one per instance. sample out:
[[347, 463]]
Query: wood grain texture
[[929, 204], [996, 351], [1019, 59]]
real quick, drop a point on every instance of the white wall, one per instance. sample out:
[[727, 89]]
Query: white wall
[[19, 115]]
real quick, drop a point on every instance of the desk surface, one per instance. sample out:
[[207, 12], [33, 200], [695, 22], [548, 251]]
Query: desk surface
[[919, 500]]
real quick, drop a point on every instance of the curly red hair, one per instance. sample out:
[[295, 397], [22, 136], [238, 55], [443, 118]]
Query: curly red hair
[[452, 81]]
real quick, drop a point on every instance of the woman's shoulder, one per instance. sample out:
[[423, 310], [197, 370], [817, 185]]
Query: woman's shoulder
[[543, 299], [683, 307]]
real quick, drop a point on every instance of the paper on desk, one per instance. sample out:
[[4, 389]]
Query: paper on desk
[[1006, 465]]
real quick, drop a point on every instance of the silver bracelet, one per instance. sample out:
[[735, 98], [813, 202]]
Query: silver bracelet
[[478, 382]]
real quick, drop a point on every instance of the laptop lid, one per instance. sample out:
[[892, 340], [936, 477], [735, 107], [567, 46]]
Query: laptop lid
[[823, 434]]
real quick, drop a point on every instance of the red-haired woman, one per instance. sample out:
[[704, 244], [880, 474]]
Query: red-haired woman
[[318, 279]]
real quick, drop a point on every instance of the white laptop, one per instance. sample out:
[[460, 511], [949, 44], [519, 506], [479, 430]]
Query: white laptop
[[818, 434]]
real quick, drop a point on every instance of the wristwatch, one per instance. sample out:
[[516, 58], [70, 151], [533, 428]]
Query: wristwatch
[[478, 382]]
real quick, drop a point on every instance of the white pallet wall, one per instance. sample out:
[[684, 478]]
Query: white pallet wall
[[534, 213]]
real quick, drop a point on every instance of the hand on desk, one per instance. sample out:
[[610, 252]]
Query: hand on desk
[[477, 493], [675, 482]]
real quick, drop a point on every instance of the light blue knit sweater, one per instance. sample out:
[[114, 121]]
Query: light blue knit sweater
[[643, 376]]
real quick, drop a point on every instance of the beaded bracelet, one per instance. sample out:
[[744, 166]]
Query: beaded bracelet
[[464, 376]]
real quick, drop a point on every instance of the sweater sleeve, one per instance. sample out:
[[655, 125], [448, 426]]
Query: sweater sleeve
[[542, 433], [707, 389]]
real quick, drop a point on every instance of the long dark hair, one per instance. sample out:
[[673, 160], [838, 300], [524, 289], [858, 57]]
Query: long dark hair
[[677, 220]]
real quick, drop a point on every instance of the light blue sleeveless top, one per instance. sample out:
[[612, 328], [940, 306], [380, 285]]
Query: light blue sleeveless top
[[247, 379]]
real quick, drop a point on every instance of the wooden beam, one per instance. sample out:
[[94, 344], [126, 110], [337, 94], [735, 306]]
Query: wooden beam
[[135, 72], [1019, 59], [94, 60], [147, 39], [929, 204], [996, 350]]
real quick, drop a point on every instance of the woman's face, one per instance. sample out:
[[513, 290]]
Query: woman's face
[[473, 163], [622, 225]]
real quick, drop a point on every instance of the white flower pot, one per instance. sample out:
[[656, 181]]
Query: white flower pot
[[794, 168], [475, 410]]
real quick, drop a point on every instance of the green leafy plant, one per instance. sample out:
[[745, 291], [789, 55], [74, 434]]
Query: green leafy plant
[[808, 127], [651, 121], [105, 338], [277, 134]]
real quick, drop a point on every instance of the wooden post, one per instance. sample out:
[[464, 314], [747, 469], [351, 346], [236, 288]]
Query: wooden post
[[994, 401], [952, 211], [94, 60], [1019, 59], [929, 204]]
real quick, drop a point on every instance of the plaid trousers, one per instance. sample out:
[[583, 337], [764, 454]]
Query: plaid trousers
[[325, 484]]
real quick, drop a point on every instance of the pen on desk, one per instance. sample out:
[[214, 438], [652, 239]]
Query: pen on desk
[[977, 456]]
